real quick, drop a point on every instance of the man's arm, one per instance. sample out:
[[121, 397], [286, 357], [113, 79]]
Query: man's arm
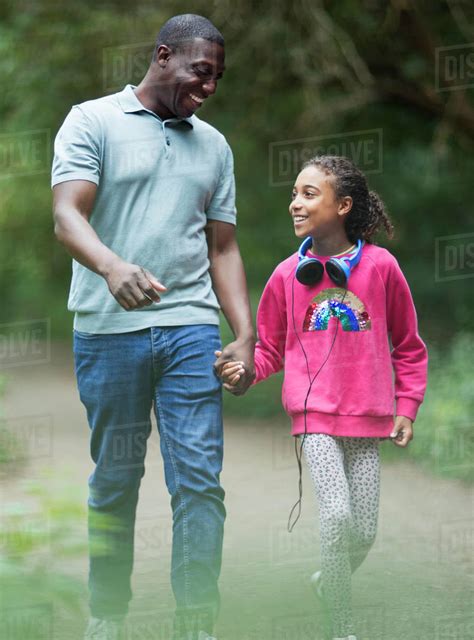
[[131, 285], [230, 285]]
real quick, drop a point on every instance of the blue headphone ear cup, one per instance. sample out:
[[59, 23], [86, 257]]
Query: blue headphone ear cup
[[337, 271], [309, 271]]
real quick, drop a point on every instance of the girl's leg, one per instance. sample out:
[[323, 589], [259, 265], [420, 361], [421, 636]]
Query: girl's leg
[[361, 461], [325, 458]]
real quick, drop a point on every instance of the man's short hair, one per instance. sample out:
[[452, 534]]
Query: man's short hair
[[186, 27]]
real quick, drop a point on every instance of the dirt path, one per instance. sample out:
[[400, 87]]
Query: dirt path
[[416, 583]]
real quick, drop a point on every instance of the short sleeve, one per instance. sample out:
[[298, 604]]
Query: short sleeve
[[76, 149], [222, 204]]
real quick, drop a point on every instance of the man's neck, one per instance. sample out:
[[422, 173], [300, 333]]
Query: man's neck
[[148, 95]]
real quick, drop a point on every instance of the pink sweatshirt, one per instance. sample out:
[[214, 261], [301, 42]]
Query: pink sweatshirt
[[365, 379]]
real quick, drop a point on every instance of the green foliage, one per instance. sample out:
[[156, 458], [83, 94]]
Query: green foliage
[[40, 534], [444, 434], [38, 538], [10, 449], [294, 70]]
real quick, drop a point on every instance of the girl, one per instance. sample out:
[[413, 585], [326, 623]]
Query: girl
[[339, 318]]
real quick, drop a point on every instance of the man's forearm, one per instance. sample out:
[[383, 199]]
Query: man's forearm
[[82, 242], [230, 285]]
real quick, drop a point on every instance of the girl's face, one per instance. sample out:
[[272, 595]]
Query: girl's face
[[314, 208]]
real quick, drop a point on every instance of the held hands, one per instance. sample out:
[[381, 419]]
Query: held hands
[[235, 366], [131, 285], [231, 373], [402, 431]]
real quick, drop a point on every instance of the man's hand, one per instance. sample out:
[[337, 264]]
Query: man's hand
[[131, 285], [241, 352], [402, 431]]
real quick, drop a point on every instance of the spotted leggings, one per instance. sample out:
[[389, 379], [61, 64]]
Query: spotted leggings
[[346, 476]]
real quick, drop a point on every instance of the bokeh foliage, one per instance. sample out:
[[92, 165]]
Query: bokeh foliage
[[294, 70]]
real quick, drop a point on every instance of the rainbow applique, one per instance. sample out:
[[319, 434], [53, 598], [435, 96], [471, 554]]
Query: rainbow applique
[[336, 303]]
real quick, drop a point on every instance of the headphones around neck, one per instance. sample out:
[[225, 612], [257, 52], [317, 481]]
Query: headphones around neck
[[310, 270]]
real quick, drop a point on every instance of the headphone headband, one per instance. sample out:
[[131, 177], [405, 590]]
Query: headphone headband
[[304, 247], [310, 270]]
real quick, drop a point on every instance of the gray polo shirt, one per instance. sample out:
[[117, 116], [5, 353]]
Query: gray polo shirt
[[159, 182]]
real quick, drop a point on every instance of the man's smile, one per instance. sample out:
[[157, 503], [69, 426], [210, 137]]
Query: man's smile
[[196, 99]]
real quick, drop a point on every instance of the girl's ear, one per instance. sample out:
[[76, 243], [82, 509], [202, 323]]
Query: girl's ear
[[345, 205]]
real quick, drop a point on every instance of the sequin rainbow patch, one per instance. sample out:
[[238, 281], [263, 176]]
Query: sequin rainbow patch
[[336, 303]]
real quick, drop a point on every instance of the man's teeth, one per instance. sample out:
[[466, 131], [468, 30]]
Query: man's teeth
[[196, 99], [299, 218]]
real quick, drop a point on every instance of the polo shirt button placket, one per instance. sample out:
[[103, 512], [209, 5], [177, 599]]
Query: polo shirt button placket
[[166, 139]]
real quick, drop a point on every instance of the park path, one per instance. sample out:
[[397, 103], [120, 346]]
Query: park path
[[416, 583]]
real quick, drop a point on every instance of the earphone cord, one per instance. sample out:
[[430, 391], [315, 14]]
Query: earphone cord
[[299, 453]]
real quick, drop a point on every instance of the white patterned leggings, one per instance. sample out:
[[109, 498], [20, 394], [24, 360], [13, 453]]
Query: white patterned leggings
[[346, 477]]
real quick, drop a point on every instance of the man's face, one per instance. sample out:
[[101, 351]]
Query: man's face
[[189, 75]]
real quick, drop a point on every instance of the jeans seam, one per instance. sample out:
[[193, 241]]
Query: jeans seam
[[176, 476], [163, 430]]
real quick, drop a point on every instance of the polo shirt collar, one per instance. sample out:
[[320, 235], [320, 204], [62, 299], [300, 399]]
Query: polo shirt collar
[[131, 104]]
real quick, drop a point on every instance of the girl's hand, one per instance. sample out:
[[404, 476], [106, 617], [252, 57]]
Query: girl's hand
[[402, 431], [240, 351], [231, 372]]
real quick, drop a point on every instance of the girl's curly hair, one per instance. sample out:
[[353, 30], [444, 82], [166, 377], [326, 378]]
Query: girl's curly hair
[[368, 213]]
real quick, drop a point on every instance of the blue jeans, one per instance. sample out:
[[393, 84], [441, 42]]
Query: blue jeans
[[120, 378]]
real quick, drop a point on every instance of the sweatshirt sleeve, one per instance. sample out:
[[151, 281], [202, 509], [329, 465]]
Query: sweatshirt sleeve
[[409, 354], [271, 329]]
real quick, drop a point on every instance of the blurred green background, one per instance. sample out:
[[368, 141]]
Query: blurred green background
[[294, 70], [326, 72]]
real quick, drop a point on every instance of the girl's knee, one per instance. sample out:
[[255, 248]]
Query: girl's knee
[[336, 526], [363, 538]]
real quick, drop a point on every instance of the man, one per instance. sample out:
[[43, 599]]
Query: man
[[144, 202]]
